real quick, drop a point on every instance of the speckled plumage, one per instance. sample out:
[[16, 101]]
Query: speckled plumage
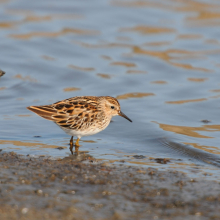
[[82, 115]]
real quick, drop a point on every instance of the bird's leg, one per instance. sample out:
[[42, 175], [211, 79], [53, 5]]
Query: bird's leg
[[71, 145], [77, 142], [77, 145]]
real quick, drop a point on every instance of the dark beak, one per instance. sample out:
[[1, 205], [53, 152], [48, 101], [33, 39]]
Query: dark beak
[[124, 116]]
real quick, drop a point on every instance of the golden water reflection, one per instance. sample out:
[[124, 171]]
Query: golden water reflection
[[148, 30], [167, 56], [25, 78], [190, 131], [134, 95], [125, 64], [157, 44], [159, 82], [197, 79], [104, 75], [28, 144], [186, 101], [139, 3], [23, 115], [35, 18], [54, 34], [195, 100], [70, 89], [203, 13], [209, 149], [48, 57], [215, 90], [81, 68], [136, 72], [7, 24], [106, 57], [189, 36]]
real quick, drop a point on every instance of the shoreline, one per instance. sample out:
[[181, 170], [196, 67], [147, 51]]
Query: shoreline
[[39, 188]]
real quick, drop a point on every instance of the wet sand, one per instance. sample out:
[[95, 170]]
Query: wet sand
[[81, 188]]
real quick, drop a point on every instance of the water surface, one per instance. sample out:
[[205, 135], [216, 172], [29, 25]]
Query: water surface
[[159, 58]]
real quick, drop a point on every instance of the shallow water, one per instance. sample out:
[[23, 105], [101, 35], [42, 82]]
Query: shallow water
[[159, 58]]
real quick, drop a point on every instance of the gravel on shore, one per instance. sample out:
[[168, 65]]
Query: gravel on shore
[[41, 188]]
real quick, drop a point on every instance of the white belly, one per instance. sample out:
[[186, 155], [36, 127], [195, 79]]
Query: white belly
[[80, 134], [87, 132]]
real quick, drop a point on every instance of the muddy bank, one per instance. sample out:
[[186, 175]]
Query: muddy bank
[[40, 188]]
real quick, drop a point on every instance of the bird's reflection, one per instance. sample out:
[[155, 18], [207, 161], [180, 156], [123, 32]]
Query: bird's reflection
[[79, 156]]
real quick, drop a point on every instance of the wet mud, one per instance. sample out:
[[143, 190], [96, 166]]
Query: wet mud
[[82, 188], [160, 59]]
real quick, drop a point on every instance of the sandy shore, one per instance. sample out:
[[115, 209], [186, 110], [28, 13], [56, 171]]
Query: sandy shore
[[40, 188]]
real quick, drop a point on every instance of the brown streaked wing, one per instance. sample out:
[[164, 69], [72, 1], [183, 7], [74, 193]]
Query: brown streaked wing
[[76, 105], [69, 111], [80, 117], [45, 111]]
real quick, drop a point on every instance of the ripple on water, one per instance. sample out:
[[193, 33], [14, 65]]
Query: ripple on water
[[160, 59]]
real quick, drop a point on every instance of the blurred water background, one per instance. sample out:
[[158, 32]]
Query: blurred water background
[[160, 58]]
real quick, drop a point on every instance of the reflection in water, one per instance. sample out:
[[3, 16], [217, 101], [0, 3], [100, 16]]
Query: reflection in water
[[70, 89], [215, 97], [193, 152], [25, 78], [186, 101], [35, 18], [81, 68], [177, 48], [7, 24], [22, 99], [157, 44], [40, 145], [125, 64], [53, 34], [104, 75], [106, 57], [48, 57], [23, 115], [159, 82], [215, 90], [209, 149], [136, 72], [134, 95], [27, 144], [30, 17], [168, 57], [103, 45], [197, 79], [79, 156], [149, 30], [204, 11], [189, 36], [190, 131], [140, 3]]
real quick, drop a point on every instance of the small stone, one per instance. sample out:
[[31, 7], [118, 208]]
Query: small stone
[[139, 156], [205, 121], [24, 210]]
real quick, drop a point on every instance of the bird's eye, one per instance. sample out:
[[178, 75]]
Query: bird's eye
[[112, 107]]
